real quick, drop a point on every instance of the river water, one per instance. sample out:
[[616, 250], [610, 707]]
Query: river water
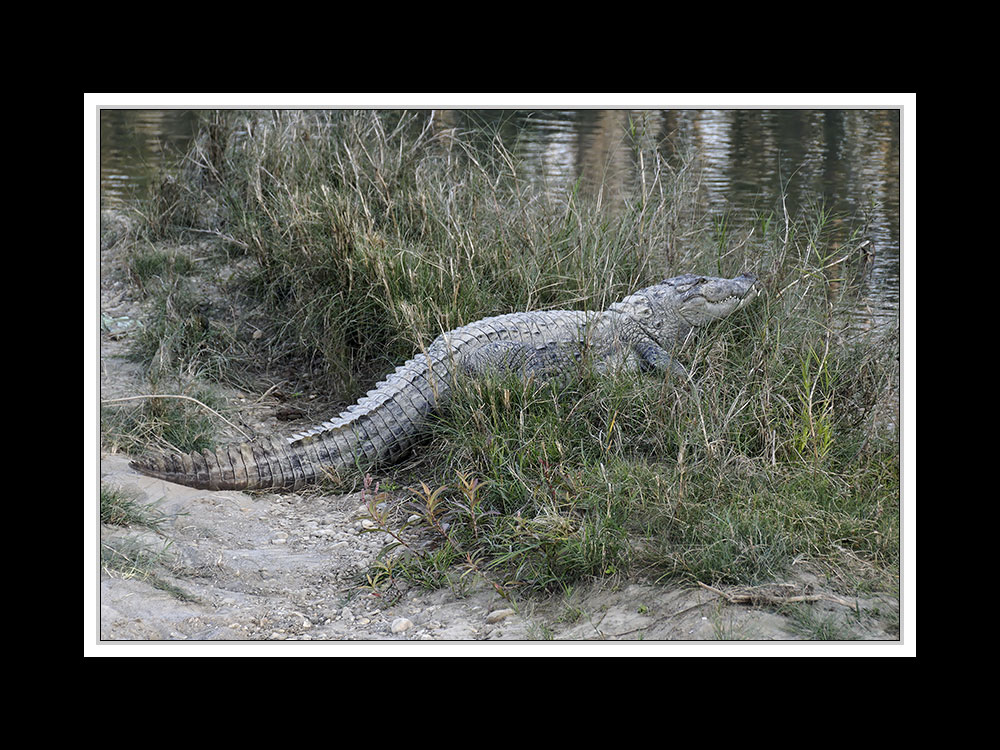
[[849, 160]]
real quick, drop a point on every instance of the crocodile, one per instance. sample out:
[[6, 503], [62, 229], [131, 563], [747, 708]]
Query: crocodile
[[641, 331]]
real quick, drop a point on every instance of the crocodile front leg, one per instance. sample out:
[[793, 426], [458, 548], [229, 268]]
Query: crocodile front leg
[[659, 359]]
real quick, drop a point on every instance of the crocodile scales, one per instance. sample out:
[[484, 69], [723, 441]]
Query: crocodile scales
[[640, 331]]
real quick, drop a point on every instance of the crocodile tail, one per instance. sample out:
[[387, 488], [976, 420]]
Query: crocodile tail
[[264, 464], [381, 425]]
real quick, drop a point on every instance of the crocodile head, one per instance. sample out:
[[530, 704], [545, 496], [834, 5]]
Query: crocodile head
[[670, 309], [699, 299]]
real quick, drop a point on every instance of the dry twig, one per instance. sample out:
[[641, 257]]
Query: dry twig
[[759, 597]]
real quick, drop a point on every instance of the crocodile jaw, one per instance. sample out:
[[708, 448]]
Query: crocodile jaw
[[711, 299]]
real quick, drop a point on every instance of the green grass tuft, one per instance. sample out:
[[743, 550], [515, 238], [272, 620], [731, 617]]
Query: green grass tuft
[[120, 508]]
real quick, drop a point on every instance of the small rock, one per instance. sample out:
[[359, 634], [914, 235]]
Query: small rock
[[498, 614], [400, 625]]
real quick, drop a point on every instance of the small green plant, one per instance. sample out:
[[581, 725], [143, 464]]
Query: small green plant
[[809, 622], [722, 226], [442, 530], [151, 263], [137, 424], [816, 413], [132, 558], [178, 338], [129, 558], [120, 508]]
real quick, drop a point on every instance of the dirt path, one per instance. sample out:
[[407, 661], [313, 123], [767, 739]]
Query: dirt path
[[237, 567]]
